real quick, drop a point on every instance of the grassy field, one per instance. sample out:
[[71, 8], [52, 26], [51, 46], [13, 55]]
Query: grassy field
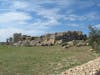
[[41, 60]]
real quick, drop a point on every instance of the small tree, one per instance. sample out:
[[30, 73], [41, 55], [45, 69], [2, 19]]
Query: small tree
[[94, 38]]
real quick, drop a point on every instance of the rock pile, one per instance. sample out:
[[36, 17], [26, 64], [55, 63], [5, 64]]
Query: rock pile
[[90, 68]]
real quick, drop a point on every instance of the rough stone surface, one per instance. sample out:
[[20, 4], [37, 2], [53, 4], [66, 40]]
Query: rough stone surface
[[90, 68], [47, 39]]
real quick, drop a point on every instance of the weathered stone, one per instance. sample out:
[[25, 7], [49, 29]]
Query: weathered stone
[[48, 39], [67, 46], [70, 43], [17, 37], [81, 43]]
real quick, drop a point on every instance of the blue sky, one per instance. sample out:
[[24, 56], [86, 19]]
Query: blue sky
[[37, 17]]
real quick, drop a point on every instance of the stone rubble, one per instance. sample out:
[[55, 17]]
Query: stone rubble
[[90, 68]]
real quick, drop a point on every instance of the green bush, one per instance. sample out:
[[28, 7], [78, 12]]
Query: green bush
[[94, 38]]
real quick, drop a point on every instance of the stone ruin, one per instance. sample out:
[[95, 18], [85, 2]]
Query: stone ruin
[[45, 40]]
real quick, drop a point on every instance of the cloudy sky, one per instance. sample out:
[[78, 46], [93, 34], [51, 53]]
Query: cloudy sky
[[37, 17]]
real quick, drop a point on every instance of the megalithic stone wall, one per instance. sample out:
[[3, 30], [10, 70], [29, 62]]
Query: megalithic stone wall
[[54, 38], [17, 37], [90, 68]]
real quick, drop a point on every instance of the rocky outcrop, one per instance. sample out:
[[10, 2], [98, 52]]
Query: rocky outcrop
[[90, 68]]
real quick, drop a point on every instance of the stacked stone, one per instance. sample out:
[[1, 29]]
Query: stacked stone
[[90, 68], [48, 39], [17, 37]]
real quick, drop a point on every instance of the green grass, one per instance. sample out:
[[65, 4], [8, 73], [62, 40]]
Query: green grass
[[41, 60]]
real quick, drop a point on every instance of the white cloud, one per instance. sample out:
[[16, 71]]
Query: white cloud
[[11, 18], [92, 16], [97, 26], [73, 25], [35, 6], [75, 18], [12, 21], [85, 3], [86, 17], [19, 5]]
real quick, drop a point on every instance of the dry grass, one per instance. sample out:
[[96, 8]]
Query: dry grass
[[41, 60]]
